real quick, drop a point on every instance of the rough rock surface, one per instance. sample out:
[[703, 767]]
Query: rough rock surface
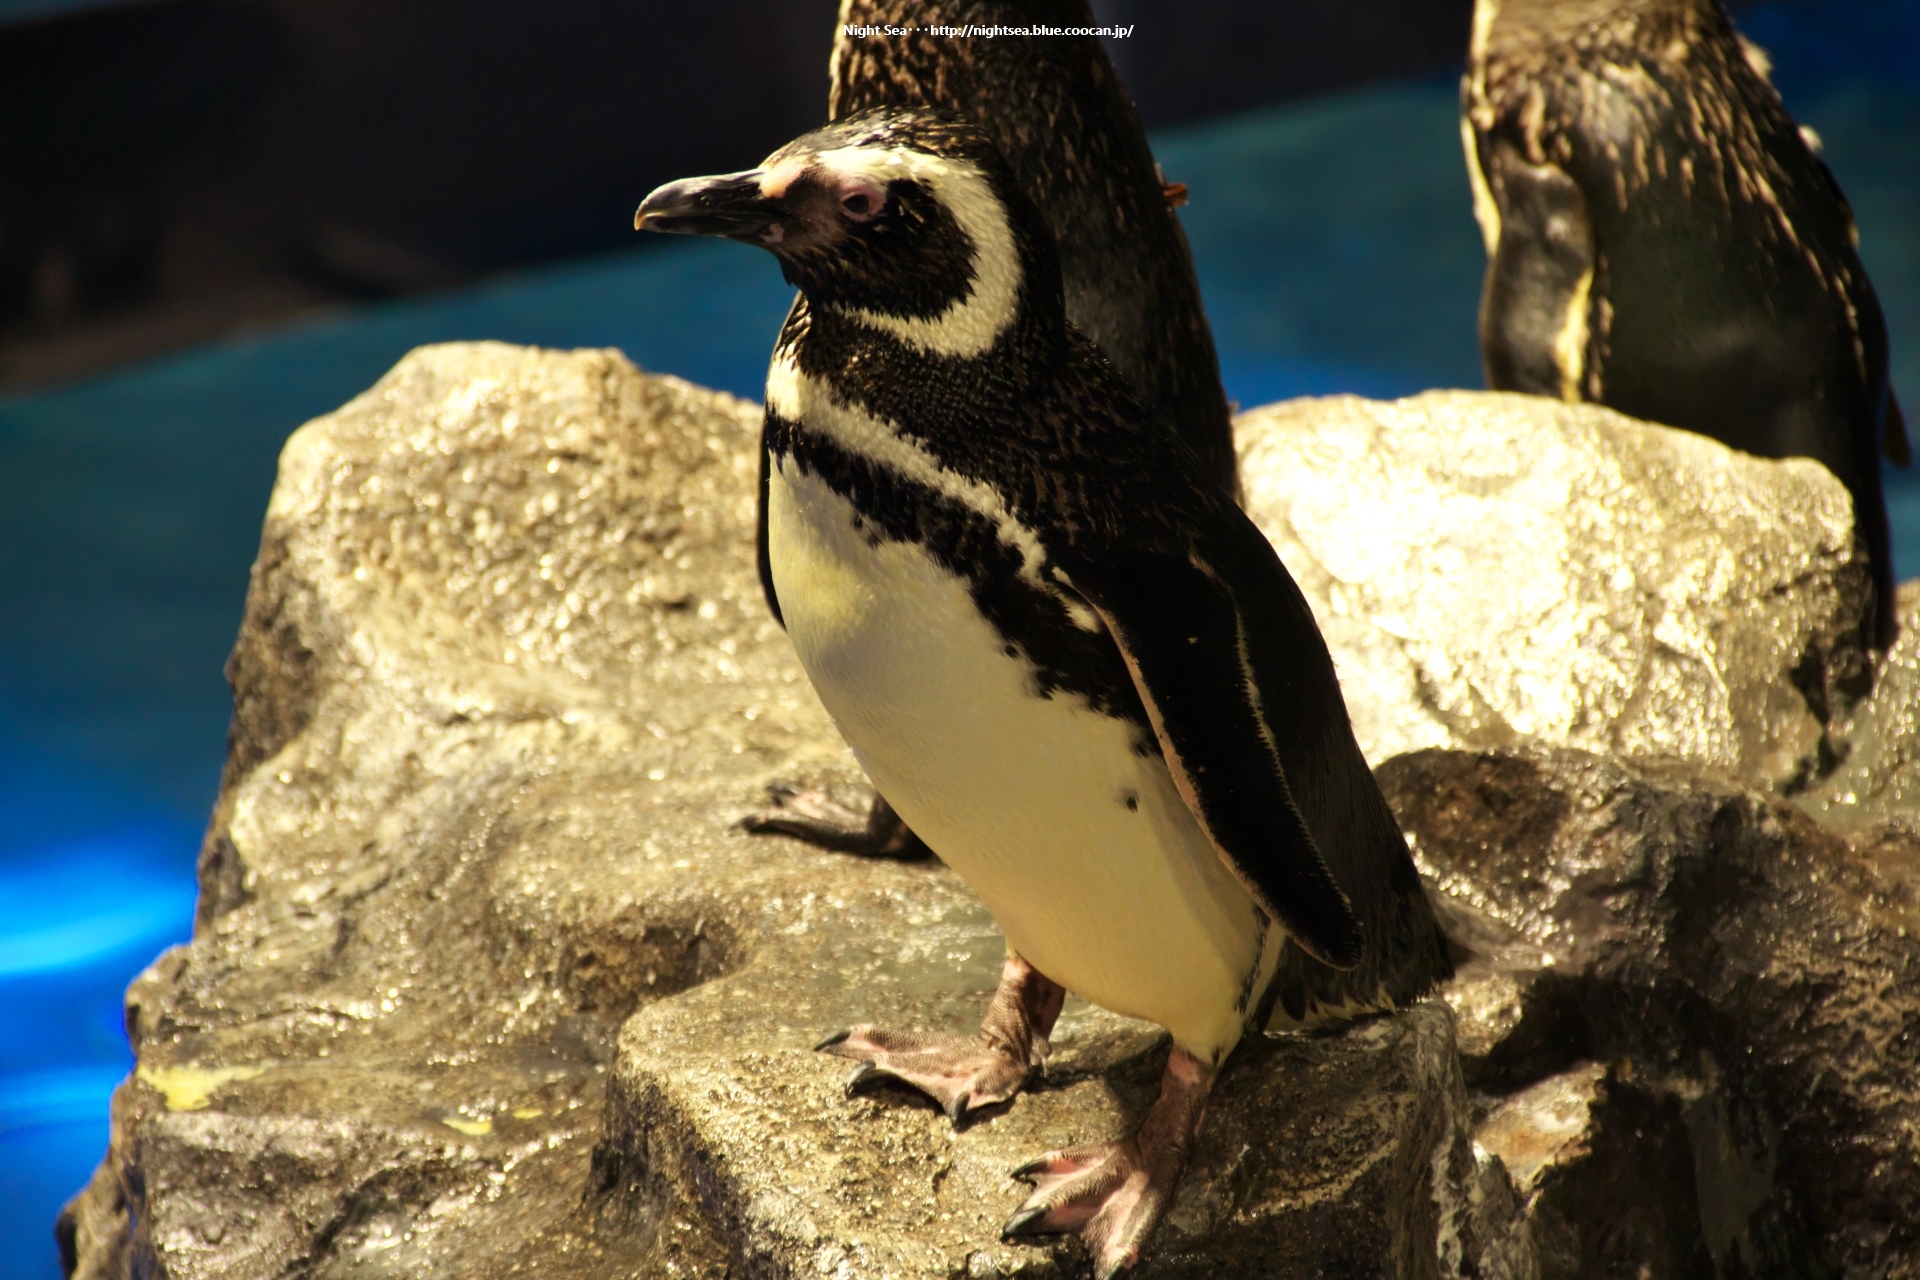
[[487, 983], [1747, 976], [1879, 773], [504, 686], [1492, 568]]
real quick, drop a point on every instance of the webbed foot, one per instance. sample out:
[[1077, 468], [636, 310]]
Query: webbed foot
[[964, 1073], [961, 1073], [1113, 1194], [817, 818]]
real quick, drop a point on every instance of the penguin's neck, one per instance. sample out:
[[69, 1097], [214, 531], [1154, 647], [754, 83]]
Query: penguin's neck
[[1027, 344], [834, 375], [929, 388]]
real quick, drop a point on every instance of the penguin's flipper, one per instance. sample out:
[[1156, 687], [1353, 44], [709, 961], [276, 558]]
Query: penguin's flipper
[[810, 815], [1535, 302], [762, 560], [1174, 617]]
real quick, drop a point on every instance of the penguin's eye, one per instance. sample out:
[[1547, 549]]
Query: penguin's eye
[[861, 201]]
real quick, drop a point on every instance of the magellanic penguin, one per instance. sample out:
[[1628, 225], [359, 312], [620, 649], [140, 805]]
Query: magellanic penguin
[[1055, 108], [1056, 645], [1663, 240]]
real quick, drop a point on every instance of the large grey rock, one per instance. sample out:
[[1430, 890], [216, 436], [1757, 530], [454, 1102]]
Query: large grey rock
[[1492, 568], [487, 983], [1749, 978], [500, 683]]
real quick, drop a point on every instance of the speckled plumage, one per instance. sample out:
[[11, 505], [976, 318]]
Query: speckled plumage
[[1041, 425], [1061, 651], [1663, 240], [1057, 112]]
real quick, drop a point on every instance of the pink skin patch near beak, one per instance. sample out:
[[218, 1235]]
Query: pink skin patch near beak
[[774, 183], [860, 199]]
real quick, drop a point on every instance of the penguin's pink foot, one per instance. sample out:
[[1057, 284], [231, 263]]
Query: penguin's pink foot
[[1113, 1194], [817, 818], [961, 1073], [964, 1073]]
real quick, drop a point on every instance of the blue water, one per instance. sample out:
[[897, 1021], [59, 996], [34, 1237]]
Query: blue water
[[1336, 250]]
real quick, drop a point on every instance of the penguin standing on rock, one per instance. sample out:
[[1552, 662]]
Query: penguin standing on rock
[[1055, 108], [1074, 666], [1663, 240]]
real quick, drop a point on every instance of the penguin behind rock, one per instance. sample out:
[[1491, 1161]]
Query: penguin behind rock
[[1663, 240], [1055, 107], [1059, 648]]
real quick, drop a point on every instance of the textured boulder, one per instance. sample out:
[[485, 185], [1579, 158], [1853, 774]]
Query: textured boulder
[[500, 681], [1879, 773], [1335, 1155], [1748, 977], [1607, 1178], [487, 982], [1492, 568]]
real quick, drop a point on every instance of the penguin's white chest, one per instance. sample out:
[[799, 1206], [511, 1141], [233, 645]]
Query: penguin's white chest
[[1083, 850]]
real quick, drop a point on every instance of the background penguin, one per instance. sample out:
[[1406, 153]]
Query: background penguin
[[1056, 645], [1663, 240], [1055, 108]]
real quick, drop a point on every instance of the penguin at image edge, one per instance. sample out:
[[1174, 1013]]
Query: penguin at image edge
[[1057, 647], [1662, 239]]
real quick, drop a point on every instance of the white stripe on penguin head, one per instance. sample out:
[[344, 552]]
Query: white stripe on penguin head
[[969, 325]]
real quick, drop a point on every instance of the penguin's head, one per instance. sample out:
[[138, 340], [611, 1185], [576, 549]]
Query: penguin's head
[[910, 220]]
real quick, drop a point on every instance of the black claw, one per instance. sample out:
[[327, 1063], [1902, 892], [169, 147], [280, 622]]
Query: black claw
[[838, 1037], [861, 1074], [1020, 1224], [957, 1109], [1026, 1171]]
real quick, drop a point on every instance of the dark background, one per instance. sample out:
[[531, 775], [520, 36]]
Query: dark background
[[170, 171]]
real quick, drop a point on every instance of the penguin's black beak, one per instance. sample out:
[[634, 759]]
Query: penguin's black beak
[[730, 205]]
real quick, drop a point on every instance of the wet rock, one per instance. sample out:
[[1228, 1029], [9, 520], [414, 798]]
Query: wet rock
[[1607, 1175], [487, 982], [501, 680], [1492, 568], [1746, 975], [1320, 1155], [1879, 774]]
